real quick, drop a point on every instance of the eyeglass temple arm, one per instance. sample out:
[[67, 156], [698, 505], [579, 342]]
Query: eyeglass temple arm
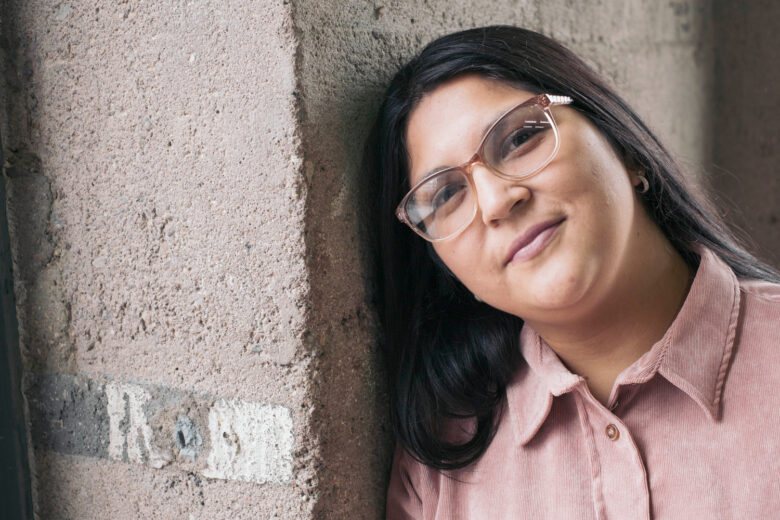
[[548, 100]]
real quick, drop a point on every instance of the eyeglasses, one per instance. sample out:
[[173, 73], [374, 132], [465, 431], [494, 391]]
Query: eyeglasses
[[519, 144]]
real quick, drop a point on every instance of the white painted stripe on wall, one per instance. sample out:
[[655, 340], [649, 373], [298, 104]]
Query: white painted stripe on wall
[[250, 441], [138, 440]]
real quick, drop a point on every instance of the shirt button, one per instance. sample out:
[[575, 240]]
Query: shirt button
[[612, 432]]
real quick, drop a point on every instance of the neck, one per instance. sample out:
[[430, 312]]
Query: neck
[[601, 343]]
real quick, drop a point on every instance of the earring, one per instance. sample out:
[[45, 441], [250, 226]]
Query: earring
[[645, 183]]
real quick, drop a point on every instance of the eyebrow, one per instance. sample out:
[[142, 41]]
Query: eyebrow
[[482, 138], [431, 172]]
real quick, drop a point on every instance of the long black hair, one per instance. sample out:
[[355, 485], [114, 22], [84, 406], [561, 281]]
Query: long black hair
[[449, 356]]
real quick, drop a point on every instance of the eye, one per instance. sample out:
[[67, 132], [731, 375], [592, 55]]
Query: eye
[[449, 196], [521, 140], [519, 137]]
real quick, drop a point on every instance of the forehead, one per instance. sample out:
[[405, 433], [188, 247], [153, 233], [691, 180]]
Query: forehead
[[447, 125]]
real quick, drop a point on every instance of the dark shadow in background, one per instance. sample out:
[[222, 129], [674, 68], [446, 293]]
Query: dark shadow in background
[[16, 500], [15, 489], [746, 119]]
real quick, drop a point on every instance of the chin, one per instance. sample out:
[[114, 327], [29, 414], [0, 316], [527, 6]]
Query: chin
[[561, 285], [562, 294]]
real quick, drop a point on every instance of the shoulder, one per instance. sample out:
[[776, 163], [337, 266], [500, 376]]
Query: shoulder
[[758, 327], [761, 290], [760, 302]]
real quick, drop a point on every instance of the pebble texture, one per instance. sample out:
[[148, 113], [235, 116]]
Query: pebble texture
[[87, 488], [187, 205]]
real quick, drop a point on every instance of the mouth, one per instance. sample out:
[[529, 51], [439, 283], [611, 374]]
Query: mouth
[[532, 241]]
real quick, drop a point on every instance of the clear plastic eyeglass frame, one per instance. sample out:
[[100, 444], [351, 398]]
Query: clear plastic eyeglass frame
[[545, 102]]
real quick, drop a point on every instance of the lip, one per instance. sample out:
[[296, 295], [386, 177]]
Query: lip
[[532, 241]]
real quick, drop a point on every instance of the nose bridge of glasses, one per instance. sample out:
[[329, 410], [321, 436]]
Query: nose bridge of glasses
[[495, 193], [468, 166], [479, 158], [492, 190]]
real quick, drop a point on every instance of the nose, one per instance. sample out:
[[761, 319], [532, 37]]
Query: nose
[[497, 198]]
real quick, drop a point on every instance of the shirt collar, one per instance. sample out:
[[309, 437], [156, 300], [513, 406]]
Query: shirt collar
[[693, 355]]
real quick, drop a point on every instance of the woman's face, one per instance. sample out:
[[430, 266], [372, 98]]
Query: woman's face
[[583, 200]]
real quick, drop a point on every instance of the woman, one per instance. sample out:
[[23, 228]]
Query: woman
[[572, 331]]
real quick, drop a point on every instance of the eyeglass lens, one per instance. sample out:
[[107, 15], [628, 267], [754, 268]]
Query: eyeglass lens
[[521, 143]]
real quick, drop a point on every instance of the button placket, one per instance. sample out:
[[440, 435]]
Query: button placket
[[624, 488]]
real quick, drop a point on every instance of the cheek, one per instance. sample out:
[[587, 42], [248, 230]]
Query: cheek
[[602, 185], [605, 195], [463, 263]]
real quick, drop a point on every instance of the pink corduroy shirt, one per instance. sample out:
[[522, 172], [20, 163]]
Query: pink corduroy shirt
[[691, 431]]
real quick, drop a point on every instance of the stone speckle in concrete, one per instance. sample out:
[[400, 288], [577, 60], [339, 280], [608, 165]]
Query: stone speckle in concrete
[[188, 438]]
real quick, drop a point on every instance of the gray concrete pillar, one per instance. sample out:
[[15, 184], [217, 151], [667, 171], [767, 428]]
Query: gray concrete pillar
[[157, 207], [186, 205]]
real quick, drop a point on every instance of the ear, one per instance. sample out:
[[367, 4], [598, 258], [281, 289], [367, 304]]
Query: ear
[[641, 184], [635, 170]]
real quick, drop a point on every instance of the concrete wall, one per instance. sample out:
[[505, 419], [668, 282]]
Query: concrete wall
[[185, 193]]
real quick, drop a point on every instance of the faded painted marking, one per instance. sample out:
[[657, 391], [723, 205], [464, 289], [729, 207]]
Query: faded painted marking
[[67, 414], [250, 441], [138, 441]]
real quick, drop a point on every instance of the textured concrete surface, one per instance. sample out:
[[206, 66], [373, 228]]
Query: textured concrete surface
[[746, 123], [92, 489], [160, 176], [187, 207]]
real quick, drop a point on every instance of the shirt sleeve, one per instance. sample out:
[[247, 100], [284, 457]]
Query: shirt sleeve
[[403, 499]]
